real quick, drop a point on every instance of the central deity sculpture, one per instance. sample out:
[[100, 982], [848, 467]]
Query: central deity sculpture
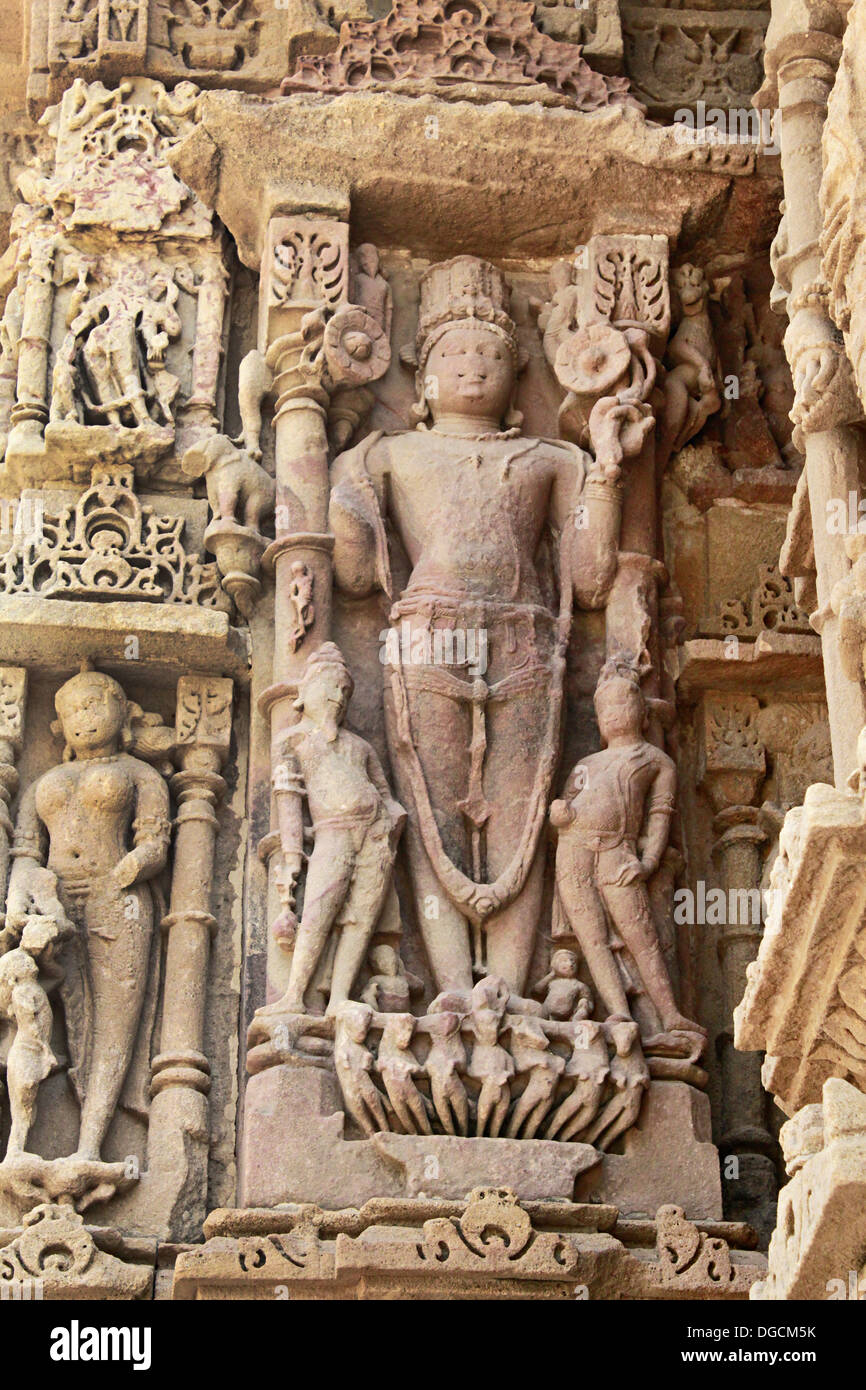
[[503, 534]]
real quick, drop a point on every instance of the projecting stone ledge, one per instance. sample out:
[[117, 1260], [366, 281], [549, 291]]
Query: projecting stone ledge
[[805, 1004], [36, 631], [488, 1245], [295, 1149]]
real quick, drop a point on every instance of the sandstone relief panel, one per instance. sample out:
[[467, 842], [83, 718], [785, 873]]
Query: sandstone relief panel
[[373, 534]]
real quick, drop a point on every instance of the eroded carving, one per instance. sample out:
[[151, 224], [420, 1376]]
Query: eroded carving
[[109, 545], [91, 841], [356, 825], [613, 823], [475, 846], [427, 43]]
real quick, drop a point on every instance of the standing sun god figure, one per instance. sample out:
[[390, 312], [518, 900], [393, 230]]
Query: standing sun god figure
[[471, 499]]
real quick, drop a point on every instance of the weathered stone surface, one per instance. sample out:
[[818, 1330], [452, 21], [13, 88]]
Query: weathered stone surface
[[449, 501], [488, 1245]]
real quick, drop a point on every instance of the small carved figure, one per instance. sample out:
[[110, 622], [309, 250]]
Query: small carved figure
[[445, 1060], [586, 1070], [238, 488], [690, 386], [356, 823], [111, 364], [613, 828], [254, 382], [559, 317], [106, 814], [353, 1060], [397, 1066], [369, 288], [24, 1002], [490, 1064], [391, 988], [630, 1078], [566, 996], [301, 599], [530, 1048]]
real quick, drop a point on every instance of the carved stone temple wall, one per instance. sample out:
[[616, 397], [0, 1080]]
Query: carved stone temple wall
[[431, 649]]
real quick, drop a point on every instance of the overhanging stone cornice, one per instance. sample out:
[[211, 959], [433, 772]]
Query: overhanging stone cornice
[[471, 175]]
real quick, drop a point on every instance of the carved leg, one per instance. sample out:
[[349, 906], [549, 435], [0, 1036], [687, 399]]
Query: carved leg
[[487, 1098], [587, 1108], [535, 1096], [369, 887], [442, 734], [408, 1105], [118, 947], [450, 1103], [511, 932], [329, 874], [629, 907], [516, 732], [444, 930], [500, 1110], [22, 1106], [585, 911], [540, 1109]]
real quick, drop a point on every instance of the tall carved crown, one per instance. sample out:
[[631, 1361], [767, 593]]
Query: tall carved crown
[[460, 289]]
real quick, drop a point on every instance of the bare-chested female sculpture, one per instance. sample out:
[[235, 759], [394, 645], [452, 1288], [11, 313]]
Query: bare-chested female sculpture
[[472, 503], [105, 815]]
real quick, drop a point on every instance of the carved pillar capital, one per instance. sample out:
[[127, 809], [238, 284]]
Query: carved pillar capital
[[804, 40], [732, 756]]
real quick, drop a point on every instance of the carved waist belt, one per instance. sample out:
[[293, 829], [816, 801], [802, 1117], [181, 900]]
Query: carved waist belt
[[466, 611]]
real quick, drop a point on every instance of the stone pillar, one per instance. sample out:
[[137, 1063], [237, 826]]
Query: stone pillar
[[803, 50], [13, 694], [178, 1134], [200, 414], [30, 413], [312, 341], [733, 767]]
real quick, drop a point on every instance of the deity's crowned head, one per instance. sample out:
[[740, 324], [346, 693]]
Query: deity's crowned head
[[466, 350]]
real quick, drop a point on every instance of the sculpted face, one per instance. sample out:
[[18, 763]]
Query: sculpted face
[[690, 284], [619, 708], [474, 374], [92, 709], [325, 694]]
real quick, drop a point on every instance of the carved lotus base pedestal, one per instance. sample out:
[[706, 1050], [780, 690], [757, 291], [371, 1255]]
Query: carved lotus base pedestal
[[484, 1246], [55, 1256], [295, 1150]]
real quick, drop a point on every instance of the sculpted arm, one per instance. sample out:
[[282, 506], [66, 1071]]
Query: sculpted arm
[[355, 517], [377, 777], [28, 851], [151, 830], [587, 512], [657, 816]]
